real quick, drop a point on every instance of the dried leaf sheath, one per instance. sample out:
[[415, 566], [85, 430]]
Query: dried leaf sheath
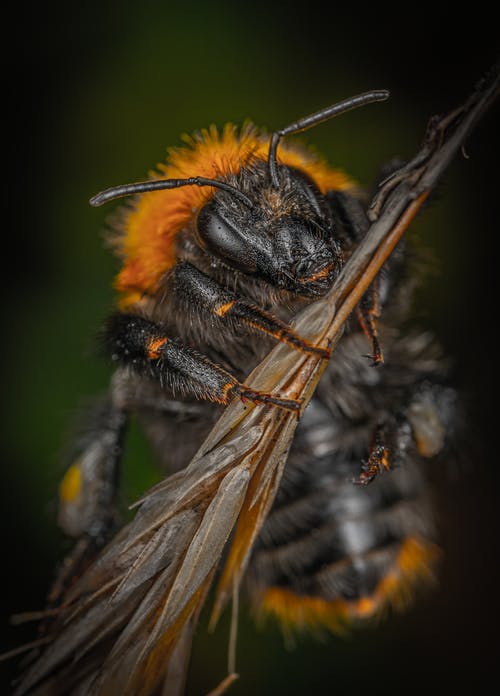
[[128, 621]]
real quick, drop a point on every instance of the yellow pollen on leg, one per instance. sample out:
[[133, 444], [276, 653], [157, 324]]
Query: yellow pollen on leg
[[70, 486]]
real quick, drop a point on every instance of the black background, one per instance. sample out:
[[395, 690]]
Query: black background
[[94, 92]]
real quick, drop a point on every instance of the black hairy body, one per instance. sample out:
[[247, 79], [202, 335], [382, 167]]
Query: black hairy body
[[326, 536]]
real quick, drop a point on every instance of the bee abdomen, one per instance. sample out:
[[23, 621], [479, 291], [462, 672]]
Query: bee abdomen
[[332, 552]]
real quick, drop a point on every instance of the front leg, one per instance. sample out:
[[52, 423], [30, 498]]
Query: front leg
[[143, 346], [207, 297], [368, 312], [352, 223]]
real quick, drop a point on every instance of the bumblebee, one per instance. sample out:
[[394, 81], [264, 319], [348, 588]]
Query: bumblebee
[[220, 248]]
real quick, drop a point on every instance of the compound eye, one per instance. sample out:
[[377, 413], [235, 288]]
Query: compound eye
[[223, 238]]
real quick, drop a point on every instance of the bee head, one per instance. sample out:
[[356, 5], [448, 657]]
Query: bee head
[[284, 235], [268, 221]]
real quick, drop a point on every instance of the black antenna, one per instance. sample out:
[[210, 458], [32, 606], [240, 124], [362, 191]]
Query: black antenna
[[307, 122], [159, 184]]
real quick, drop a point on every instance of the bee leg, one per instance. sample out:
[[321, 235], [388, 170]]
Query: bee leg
[[422, 427], [350, 217], [368, 312], [143, 346], [88, 489], [379, 459], [207, 296]]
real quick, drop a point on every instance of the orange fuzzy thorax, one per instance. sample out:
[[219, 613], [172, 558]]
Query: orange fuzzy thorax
[[147, 243]]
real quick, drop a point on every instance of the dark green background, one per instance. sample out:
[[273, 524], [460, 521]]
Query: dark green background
[[95, 92]]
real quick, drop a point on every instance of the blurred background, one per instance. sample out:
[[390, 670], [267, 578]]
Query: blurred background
[[95, 92]]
